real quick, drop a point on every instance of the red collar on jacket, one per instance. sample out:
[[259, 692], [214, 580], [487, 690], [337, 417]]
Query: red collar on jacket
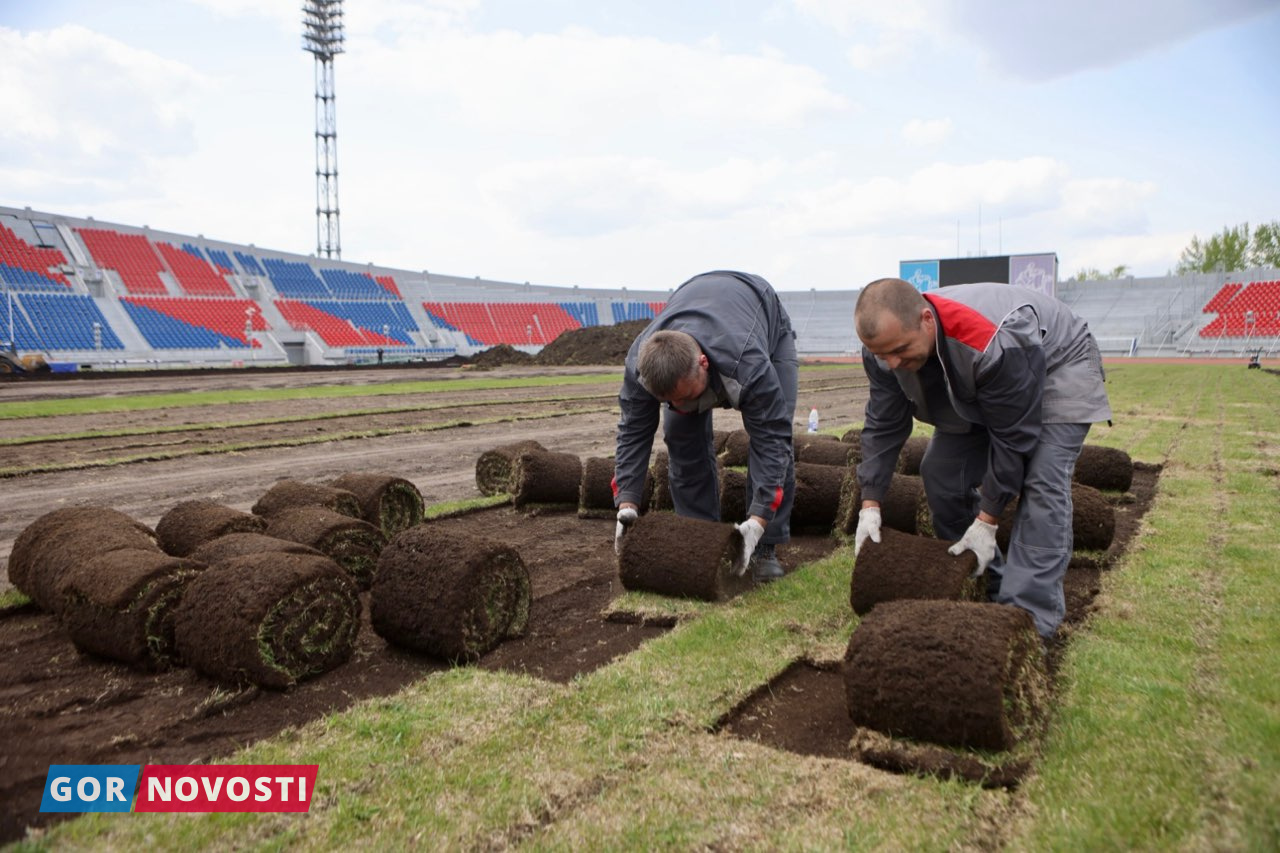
[[962, 323]]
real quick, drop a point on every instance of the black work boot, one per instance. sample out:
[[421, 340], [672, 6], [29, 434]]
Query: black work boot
[[765, 567]]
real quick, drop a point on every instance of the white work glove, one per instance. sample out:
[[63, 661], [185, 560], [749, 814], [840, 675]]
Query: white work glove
[[980, 538], [626, 517], [751, 531], [868, 528]]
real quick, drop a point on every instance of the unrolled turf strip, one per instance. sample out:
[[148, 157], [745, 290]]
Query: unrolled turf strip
[[388, 502], [353, 543], [120, 605], [1093, 520], [287, 494], [494, 468], [817, 497], [242, 544], [270, 619], [903, 506], [453, 596], [595, 492], [190, 524], [956, 673], [903, 566], [59, 540], [684, 557], [1104, 468], [546, 478]]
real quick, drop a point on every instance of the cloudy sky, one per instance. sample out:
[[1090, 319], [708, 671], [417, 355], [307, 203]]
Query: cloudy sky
[[638, 142]]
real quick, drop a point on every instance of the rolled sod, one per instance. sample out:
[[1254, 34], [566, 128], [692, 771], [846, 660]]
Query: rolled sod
[[737, 447], [903, 507], [595, 492], [955, 673], [60, 540], [243, 544], [1104, 468], [388, 502], [911, 454], [352, 543], [453, 596], [660, 477], [733, 494], [902, 566], [120, 605], [1093, 520], [684, 557], [289, 494], [817, 496], [831, 452], [494, 468], [718, 439], [270, 619], [546, 478], [190, 524], [853, 436]]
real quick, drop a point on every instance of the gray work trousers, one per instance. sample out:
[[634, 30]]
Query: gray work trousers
[[693, 473], [1030, 575]]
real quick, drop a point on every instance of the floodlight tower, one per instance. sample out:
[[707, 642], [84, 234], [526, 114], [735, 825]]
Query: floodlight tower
[[322, 37]]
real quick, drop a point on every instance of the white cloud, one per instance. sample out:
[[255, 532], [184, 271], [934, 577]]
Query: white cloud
[[924, 132], [1106, 205]]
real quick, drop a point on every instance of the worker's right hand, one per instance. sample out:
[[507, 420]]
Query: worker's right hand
[[626, 517], [868, 528]]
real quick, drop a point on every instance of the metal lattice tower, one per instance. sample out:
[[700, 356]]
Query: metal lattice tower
[[322, 37]]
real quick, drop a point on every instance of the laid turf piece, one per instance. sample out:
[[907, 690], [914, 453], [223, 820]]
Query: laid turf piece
[[388, 502], [903, 507], [687, 557], [955, 673], [450, 595], [988, 769], [817, 498], [494, 468], [270, 619], [831, 452], [737, 446], [1104, 468], [595, 492], [190, 524], [120, 605], [59, 540], [352, 543], [911, 454], [288, 494], [544, 478], [242, 544], [1093, 520], [733, 494], [903, 566]]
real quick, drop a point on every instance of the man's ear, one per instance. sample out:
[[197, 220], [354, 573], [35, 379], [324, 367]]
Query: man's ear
[[702, 360]]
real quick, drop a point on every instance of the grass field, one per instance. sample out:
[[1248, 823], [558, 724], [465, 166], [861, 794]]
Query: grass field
[[1165, 736]]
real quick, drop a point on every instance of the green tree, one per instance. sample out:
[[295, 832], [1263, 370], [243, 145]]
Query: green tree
[[1095, 274], [1223, 252], [1264, 251]]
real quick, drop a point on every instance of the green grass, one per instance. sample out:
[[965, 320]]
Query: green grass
[[1165, 734]]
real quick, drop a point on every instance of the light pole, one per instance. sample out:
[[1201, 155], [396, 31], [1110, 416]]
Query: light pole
[[8, 289]]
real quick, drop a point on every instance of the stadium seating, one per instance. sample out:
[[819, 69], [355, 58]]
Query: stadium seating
[[28, 267], [389, 285], [373, 316], [1244, 311], [1224, 295], [219, 257], [334, 330], [625, 310], [66, 321], [250, 264], [193, 273], [194, 323], [295, 279], [130, 255], [515, 323], [345, 284]]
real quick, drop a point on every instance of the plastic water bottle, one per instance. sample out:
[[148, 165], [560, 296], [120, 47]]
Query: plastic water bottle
[[813, 419]]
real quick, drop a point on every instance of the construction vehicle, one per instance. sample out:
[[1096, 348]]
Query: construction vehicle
[[17, 365]]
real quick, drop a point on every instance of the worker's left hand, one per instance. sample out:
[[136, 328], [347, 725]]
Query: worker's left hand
[[751, 531], [980, 538]]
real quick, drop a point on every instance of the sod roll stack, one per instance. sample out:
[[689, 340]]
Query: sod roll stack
[[737, 447], [352, 543], [817, 495], [120, 605], [903, 566], [1104, 468], [450, 595], [683, 557], [243, 544], [58, 541], [903, 506], [956, 673], [494, 468], [543, 478], [660, 477], [1093, 520], [289, 494], [388, 502], [270, 619], [595, 492], [912, 454], [733, 494], [829, 452], [190, 524]]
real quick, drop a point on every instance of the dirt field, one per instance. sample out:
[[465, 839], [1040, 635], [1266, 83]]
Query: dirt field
[[60, 706]]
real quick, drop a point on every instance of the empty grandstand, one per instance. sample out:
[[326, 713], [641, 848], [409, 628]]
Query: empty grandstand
[[86, 293]]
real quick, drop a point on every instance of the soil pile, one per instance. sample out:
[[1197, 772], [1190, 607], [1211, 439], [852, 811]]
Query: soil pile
[[592, 345], [501, 356]]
